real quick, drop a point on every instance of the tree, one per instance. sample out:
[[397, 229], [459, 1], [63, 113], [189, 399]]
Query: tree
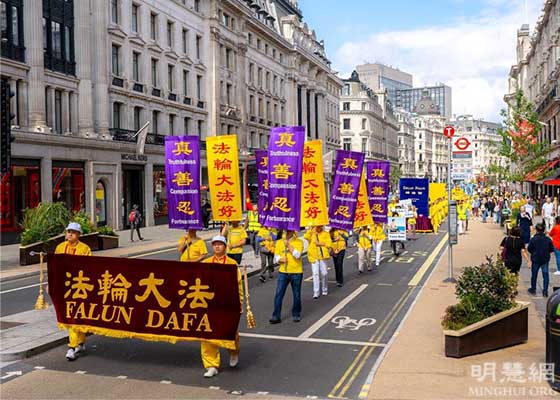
[[519, 142], [394, 177]]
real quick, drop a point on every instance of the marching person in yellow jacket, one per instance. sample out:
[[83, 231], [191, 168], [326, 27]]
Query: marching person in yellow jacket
[[236, 239], [412, 222], [338, 250], [210, 352], [364, 249], [461, 216], [318, 252], [377, 233], [72, 245], [266, 240], [191, 247], [287, 254]]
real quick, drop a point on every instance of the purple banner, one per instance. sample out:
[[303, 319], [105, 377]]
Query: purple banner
[[346, 185], [182, 172], [285, 158], [261, 158], [377, 182]]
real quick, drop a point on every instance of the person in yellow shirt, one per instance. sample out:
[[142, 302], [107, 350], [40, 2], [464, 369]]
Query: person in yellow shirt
[[338, 250], [364, 249], [191, 247], [210, 352], [378, 237], [253, 226], [72, 245], [287, 253], [318, 252], [412, 222], [236, 238], [266, 240]]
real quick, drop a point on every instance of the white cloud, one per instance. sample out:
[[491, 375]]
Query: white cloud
[[472, 55]]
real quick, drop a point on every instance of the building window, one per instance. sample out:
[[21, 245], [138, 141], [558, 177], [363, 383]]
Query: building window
[[199, 87], [258, 44], [155, 117], [364, 121], [346, 123], [58, 37], [199, 127], [115, 11], [153, 26], [185, 82], [135, 66], [154, 72], [134, 22], [251, 72], [169, 34], [228, 93], [58, 110], [198, 49], [185, 40], [228, 59], [115, 60], [171, 124], [68, 184], [186, 124], [116, 115], [347, 144], [197, 5], [170, 77], [11, 20], [260, 77], [137, 114], [364, 145]]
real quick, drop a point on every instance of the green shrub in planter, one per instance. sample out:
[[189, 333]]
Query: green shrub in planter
[[483, 291], [85, 222], [43, 222], [106, 230]]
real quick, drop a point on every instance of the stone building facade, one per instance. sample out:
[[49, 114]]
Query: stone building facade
[[407, 158], [88, 74], [537, 74]]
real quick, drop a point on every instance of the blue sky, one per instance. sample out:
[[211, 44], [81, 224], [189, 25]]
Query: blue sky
[[468, 44]]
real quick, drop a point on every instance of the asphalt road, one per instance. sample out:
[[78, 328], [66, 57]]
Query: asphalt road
[[330, 353]]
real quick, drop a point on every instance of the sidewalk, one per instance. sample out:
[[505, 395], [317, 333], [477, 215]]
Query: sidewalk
[[415, 366], [31, 332]]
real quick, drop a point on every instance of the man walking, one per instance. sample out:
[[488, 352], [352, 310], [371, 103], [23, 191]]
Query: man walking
[[135, 219], [540, 248], [548, 213]]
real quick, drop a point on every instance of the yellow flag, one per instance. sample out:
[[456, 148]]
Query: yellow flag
[[313, 195], [223, 178], [363, 212]]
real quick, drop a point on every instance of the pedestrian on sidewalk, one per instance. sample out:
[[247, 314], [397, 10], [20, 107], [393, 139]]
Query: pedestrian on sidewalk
[[210, 352], [191, 247], [287, 254], [252, 225], [378, 237], [555, 235], [338, 250], [267, 240], [461, 216], [548, 213], [73, 246], [236, 238], [513, 248], [135, 219], [206, 212], [540, 248], [364, 249], [525, 222], [318, 253]]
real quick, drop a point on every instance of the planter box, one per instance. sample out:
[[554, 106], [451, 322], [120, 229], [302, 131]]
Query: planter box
[[91, 239], [25, 259], [505, 329], [108, 242]]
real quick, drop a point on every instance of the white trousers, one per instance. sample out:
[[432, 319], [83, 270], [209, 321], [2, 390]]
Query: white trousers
[[319, 270], [549, 223], [460, 226], [364, 256], [377, 248]]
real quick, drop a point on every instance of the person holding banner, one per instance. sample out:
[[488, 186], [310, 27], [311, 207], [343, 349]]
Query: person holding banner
[[338, 250], [191, 247], [318, 252], [72, 245], [210, 352], [287, 253], [378, 236], [236, 237], [364, 249], [266, 242]]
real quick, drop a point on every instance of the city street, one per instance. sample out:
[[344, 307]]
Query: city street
[[330, 352]]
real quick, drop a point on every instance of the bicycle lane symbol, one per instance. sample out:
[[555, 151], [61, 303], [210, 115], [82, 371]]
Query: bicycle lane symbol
[[344, 322]]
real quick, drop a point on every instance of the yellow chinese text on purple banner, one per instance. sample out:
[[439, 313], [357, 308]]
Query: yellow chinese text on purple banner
[[261, 158], [346, 184], [285, 155], [377, 182], [182, 172]]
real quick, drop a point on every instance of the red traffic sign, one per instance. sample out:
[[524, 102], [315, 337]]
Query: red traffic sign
[[449, 131], [462, 143]]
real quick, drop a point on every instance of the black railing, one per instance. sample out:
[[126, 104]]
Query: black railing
[[172, 97], [13, 52], [253, 118], [126, 135], [156, 92], [155, 138], [118, 82], [60, 65], [138, 87], [261, 121], [200, 104], [187, 101]]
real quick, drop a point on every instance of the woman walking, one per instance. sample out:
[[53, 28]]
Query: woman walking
[[524, 222], [555, 235], [338, 250], [513, 248]]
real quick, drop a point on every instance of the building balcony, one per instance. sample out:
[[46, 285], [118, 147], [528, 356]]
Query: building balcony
[[200, 104], [118, 82], [59, 65], [138, 87], [127, 135], [187, 101], [172, 97], [252, 118], [156, 92], [156, 139]]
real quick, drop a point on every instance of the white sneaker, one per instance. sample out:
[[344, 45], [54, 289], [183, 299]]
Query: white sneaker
[[71, 354], [557, 273], [210, 372], [233, 359]]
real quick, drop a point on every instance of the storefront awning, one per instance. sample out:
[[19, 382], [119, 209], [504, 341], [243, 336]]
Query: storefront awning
[[553, 182], [536, 174]]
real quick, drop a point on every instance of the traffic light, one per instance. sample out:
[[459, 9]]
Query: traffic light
[[6, 117]]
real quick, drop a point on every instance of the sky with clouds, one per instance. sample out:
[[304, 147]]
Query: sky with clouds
[[467, 44]]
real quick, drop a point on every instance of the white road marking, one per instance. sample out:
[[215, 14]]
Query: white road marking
[[39, 367], [122, 377], [384, 284], [311, 340], [81, 372], [20, 288], [214, 387], [11, 373], [262, 393], [328, 316], [165, 382], [310, 397]]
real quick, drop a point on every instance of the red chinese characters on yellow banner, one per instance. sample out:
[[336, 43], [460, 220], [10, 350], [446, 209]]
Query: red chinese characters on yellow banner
[[363, 213], [223, 178], [132, 298], [313, 194]]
